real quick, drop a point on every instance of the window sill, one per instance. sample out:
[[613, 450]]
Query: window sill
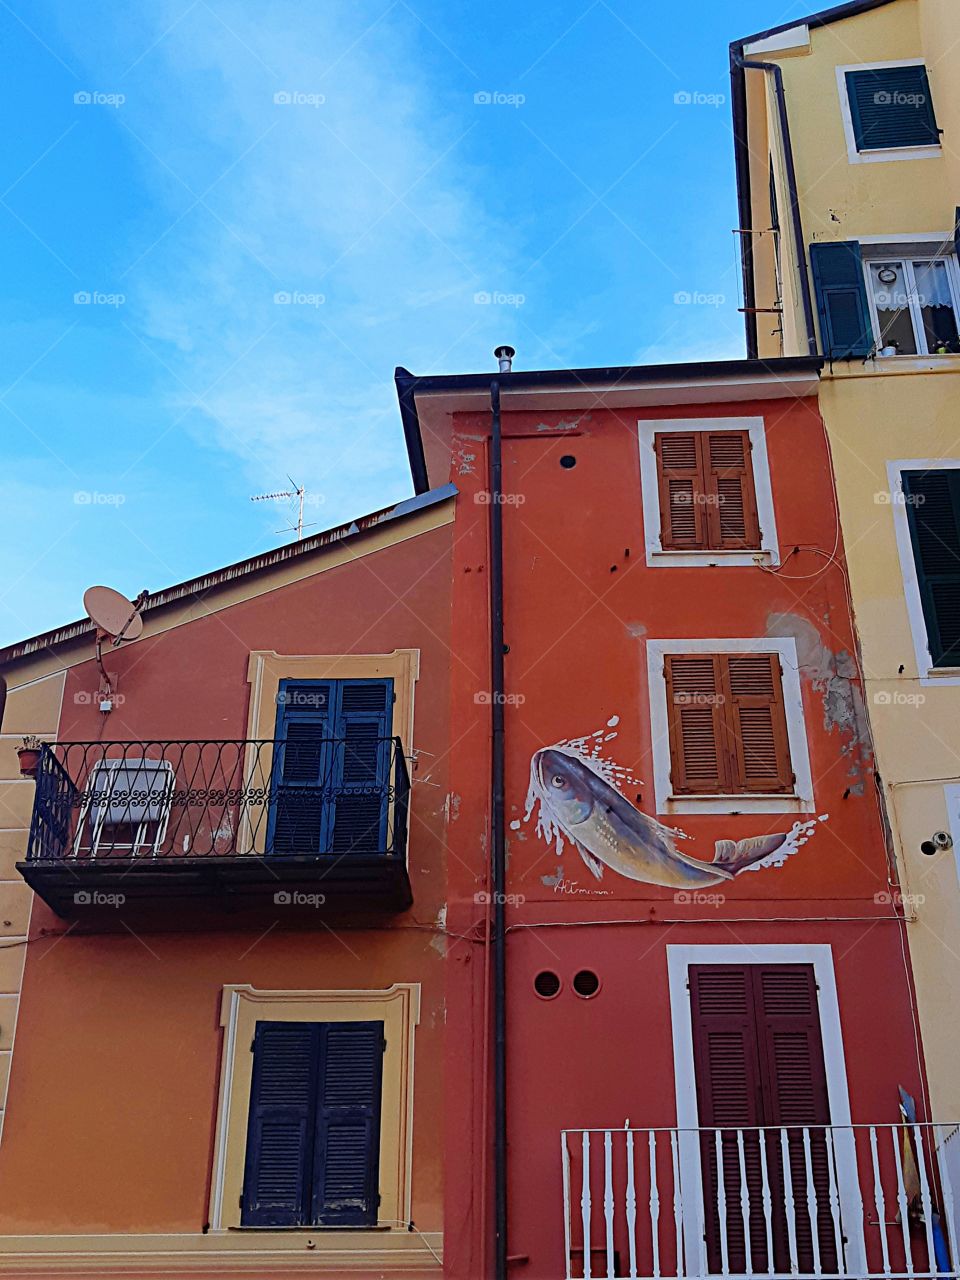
[[867, 367], [944, 676], [736, 804], [658, 558], [380, 1228], [886, 154]]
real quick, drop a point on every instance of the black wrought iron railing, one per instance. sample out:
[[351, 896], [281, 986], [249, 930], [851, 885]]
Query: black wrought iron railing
[[220, 799]]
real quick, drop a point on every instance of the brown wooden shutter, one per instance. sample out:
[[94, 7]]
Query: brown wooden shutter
[[758, 1060], [699, 751], [731, 500], [683, 523], [756, 723], [795, 1093], [729, 1093]]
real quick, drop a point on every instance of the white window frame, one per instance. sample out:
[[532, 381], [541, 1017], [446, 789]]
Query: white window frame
[[659, 557], [906, 261], [951, 795], [800, 801], [928, 673], [820, 955], [882, 154], [667, 803]]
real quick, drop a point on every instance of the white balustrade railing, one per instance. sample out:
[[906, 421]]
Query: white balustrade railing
[[852, 1201]]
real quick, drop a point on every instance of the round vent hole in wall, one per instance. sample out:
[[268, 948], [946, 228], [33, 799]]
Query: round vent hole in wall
[[568, 461], [586, 983], [546, 984]]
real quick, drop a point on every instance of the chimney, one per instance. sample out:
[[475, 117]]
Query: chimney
[[505, 356]]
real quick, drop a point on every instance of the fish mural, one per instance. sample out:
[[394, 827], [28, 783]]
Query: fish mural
[[573, 790]]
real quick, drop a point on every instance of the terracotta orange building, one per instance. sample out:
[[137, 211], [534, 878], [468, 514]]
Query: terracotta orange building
[[702, 1010], [228, 993]]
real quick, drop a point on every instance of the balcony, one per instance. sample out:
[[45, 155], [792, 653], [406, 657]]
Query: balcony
[[850, 1201], [302, 829]]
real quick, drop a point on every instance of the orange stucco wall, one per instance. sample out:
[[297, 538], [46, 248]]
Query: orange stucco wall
[[113, 1095]]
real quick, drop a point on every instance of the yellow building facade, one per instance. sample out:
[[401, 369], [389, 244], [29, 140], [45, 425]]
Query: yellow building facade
[[847, 128]]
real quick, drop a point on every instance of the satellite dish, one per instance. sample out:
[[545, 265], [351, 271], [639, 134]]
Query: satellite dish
[[114, 615]]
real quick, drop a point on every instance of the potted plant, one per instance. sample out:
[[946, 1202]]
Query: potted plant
[[29, 755]]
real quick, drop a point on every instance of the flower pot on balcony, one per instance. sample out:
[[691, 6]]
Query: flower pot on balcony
[[29, 760]]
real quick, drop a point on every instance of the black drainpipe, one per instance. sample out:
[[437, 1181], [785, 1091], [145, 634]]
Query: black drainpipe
[[498, 839], [740, 98]]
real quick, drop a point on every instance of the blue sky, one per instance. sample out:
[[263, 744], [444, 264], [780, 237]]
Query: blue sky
[[181, 163]]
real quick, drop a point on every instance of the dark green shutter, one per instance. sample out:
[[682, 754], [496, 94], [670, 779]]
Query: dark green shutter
[[280, 1130], [933, 514], [845, 327], [313, 1135], [346, 1178], [362, 769], [892, 107]]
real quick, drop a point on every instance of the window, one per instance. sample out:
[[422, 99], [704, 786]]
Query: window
[[315, 1115], [914, 305], [330, 786], [707, 496], [728, 727], [896, 302], [313, 1145], [932, 504], [845, 330], [887, 111], [706, 491], [759, 1061]]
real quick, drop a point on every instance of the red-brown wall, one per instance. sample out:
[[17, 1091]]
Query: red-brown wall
[[580, 604]]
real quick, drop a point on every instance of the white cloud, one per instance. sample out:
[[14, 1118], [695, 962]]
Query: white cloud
[[365, 199]]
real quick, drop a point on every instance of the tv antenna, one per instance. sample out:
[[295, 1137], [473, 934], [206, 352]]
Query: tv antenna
[[296, 494], [116, 619]]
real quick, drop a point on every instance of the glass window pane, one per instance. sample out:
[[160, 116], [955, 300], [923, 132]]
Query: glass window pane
[[936, 306], [889, 283]]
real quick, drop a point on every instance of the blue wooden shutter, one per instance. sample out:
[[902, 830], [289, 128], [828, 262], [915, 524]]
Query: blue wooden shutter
[[892, 107], [302, 774], [845, 328], [933, 514], [347, 1161], [280, 1131], [363, 766]]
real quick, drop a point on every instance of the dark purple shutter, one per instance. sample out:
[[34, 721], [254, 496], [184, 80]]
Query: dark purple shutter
[[280, 1128], [313, 1136], [346, 1190]]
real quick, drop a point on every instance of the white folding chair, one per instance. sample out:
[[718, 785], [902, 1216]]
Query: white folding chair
[[127, 793]]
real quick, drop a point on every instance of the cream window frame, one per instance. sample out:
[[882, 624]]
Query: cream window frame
[[266, 668], [242, 1007]]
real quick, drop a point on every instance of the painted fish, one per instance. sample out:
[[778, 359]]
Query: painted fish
[[608, 830]]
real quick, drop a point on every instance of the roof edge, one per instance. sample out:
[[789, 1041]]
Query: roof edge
[[525, 379], [241, 569], [821, 19]]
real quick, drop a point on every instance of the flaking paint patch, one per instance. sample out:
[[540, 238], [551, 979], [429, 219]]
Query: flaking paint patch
[[636, 629], [551, 882], [832, 676], [451, 806]]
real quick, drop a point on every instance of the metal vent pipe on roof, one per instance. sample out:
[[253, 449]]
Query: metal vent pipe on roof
[[504, 357]]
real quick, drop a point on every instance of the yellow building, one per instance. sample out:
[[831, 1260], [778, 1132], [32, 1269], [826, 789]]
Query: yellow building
[[847, 128]]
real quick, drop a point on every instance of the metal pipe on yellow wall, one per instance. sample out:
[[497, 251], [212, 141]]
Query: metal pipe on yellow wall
[[739, 65]]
